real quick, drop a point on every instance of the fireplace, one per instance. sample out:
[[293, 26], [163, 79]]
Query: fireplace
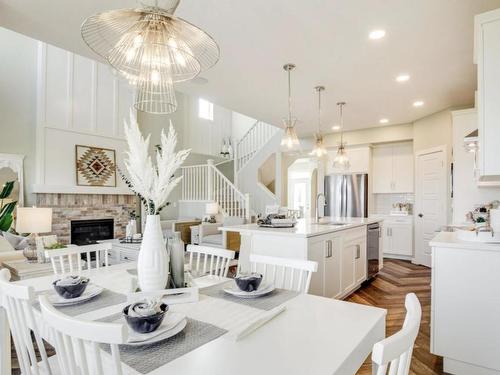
[[86, 232]]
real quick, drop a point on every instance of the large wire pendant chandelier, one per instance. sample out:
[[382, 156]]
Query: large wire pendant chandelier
[[319, 149], [152, 49], [341, 161], [290, 139]]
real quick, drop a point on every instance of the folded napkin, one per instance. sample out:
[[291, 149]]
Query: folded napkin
[[71, 280], [144, 308], [241, 332]]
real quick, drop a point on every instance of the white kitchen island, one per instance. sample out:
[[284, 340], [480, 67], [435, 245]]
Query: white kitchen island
[[465, 311], [340, 250]]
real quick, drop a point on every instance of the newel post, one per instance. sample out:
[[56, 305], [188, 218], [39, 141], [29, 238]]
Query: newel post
[[210, 179]]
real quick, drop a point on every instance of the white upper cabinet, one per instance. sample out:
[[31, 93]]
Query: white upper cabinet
[[487, 58], [359, 159], [393, 168]]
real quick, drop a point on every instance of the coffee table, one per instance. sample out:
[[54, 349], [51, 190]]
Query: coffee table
[[22, 269]]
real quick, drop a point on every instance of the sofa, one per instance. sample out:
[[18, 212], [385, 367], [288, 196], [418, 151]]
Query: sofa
[[210, 235], [7, 251]]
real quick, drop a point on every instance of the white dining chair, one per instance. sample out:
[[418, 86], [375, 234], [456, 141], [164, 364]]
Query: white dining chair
[[69, 260], [394, 353], [18, 303], [284, 273], [209, 260], [78, 343]]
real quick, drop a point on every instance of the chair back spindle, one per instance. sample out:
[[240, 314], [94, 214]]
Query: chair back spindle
[[78, 343], [284, 273], [69, 260], [18, 303], [209, 260], [393, 354]]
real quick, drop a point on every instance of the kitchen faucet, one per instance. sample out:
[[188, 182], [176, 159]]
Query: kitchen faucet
[[317, 205]]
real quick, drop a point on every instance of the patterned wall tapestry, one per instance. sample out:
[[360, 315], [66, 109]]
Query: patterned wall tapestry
[[95, 166]]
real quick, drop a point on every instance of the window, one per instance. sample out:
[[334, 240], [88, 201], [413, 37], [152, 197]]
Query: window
[[205, 109]]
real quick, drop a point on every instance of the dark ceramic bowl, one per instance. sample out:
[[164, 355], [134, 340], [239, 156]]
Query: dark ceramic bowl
[[71, 291], [145, 324], [248, 282]]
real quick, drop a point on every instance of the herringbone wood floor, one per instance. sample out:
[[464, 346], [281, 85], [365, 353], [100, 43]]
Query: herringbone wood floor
[[388, 291]]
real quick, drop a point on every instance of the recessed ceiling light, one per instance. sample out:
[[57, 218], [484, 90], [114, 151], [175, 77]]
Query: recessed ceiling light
[[336, 127], [384, 121], [402, 78], [377, 34], [418, 103]]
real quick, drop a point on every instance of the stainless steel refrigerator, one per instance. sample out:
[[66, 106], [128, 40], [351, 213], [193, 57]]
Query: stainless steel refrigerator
[[346, 195]]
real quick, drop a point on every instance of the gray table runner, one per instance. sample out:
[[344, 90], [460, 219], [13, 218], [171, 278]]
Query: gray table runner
[[147, 358], [267, 302], [105, 299]]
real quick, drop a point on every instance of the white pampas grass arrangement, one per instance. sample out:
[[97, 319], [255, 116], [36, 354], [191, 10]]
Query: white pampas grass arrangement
[[152, 183]]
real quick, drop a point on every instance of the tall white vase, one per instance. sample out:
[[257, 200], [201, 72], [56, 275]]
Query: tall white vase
[[153, 263]]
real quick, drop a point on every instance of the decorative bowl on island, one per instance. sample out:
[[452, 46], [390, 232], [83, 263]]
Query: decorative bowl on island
[[248, 282]]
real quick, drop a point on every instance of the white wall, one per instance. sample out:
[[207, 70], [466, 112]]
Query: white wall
[[18, 102], [241, 124], [79, 102], [466, 192]]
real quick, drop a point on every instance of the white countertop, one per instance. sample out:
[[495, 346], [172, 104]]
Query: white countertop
[[450, 239], [305, 227]]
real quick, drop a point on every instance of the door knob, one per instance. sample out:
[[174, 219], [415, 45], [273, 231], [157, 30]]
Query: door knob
[[420, 215]]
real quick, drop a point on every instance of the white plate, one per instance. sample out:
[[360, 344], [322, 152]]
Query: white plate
[[91, 291], [172, 324], [262, 291]]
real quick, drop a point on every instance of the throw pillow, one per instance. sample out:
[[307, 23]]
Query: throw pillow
[[5, 245], [17, 242]]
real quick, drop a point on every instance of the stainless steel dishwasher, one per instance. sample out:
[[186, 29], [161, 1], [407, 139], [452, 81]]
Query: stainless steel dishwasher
[[372, 249]]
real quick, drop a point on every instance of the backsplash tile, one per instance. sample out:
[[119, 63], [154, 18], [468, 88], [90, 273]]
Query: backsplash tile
[[382, 203]]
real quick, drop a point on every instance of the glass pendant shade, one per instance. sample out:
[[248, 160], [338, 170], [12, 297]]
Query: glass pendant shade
[[319, 149], [290, 139], [151, 48], [341, 160]]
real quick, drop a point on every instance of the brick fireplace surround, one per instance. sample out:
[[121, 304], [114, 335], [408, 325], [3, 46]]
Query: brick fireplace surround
[[67, 207]]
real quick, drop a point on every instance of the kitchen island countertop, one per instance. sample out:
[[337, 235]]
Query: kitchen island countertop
[[306, 227]]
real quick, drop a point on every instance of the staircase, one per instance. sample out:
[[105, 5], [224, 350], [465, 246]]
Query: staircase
[[250, 144], [251, 152], [205, 183]]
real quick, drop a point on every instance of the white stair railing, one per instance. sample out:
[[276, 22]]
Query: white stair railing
[[206, 183], [256, 137]]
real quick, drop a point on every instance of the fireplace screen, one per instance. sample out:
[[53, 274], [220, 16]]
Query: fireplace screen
[[87, 232]]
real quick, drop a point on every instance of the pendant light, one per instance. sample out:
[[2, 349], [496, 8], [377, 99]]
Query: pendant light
[[151, 48], [290, 139], [319, 149], [341, 161]]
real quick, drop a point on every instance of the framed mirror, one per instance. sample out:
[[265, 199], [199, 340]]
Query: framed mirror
[[11, 169]]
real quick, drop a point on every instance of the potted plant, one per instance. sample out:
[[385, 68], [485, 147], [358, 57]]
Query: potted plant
[[153, 184], [6, 208]]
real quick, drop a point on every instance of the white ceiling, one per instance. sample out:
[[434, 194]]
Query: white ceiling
[[432, 40]]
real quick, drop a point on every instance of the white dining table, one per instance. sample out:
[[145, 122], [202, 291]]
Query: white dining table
[[314, 335]]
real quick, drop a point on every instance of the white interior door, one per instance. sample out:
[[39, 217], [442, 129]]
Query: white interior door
[[430, 201]]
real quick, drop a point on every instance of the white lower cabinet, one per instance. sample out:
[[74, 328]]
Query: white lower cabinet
[[341, 258], [397, 237]]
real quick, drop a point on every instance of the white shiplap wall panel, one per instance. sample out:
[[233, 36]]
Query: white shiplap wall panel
[[56, 87], [82, 94], [104, 100], [80, 101]]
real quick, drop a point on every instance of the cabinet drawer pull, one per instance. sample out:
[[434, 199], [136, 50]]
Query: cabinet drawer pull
[[358, 251]]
